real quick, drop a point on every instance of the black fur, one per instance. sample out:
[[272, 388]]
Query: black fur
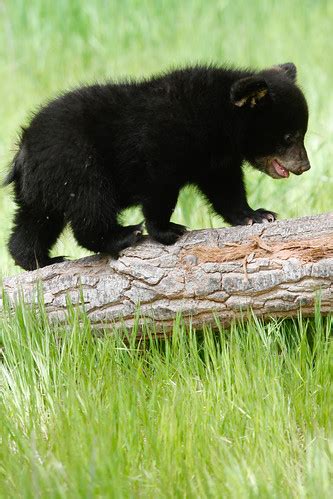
[[94, 151]]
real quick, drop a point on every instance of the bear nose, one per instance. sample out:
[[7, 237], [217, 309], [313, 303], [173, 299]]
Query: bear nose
[[304, 168]]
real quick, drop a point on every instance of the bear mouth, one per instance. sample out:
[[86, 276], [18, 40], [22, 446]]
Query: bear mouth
[[280, 170]]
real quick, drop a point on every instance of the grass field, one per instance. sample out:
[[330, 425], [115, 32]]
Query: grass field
[[246, 413]]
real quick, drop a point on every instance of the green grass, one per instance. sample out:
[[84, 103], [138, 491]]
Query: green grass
[[246, 413], [243, 413]]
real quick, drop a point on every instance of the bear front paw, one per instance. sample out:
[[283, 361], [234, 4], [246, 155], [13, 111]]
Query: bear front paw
[[168, 235], [260, 216], [250, 217]]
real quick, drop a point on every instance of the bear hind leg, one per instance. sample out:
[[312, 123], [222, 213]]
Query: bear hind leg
[[33, 236], [110, 239]]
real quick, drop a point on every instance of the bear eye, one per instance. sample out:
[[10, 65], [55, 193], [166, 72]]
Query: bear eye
[[288, 138]]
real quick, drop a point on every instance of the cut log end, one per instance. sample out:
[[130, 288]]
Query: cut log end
[[271, 270]]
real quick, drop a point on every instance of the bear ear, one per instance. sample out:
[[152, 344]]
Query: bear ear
[[289, 69], [247, 92]]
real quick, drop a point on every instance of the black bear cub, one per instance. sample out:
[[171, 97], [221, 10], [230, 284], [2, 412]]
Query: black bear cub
[[94, 151]]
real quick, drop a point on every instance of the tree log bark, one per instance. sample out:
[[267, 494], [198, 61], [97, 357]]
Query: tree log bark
[[272, 269]]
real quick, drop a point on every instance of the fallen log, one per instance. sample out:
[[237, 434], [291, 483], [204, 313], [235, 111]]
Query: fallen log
[[272, 269]]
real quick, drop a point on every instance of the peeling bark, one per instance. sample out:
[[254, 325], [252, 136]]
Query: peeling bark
[[272, 269]]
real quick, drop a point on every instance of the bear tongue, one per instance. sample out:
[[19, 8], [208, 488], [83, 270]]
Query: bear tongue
[[280, 170]]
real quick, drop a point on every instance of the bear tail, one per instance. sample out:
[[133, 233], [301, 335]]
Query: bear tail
[[16, 167]]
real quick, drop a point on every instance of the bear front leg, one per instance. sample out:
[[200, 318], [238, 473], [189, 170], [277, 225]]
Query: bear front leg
[[226, 193], [157, 209]]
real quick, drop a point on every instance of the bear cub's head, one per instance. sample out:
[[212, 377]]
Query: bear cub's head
[[276, 117]]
